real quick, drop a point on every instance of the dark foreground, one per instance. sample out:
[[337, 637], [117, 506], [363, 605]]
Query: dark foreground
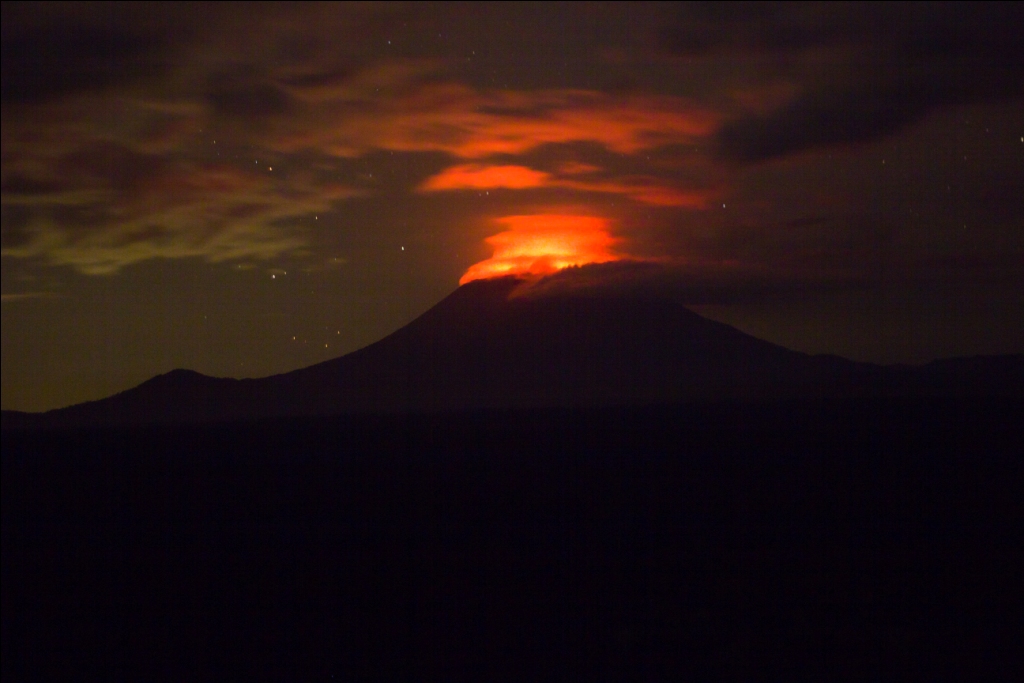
[[854, 541]]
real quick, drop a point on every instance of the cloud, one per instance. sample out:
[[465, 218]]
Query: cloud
[[111, 114], [645, 189], [240, 97], [27, 296], [110, 208], [691, 284], [100, 178], [861, 71], [471, 124], [483, 177], [117, 163], [44, 60], [823, 119]]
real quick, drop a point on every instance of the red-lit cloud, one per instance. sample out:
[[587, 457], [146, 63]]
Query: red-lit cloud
[[481, 177], [471, 124], [646, 190], [543, 244]]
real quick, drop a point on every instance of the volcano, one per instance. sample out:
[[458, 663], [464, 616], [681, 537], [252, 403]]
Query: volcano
[[492, 345]]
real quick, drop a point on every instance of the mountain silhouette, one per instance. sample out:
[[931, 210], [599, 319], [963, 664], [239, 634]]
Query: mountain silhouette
[[485, 347]]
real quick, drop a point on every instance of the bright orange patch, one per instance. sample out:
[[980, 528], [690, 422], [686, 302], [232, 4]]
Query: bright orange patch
[[480, 177], [543, 244]]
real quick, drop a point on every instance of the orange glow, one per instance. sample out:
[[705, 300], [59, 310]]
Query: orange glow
[[543, 244], [643, 189], [480, 177]]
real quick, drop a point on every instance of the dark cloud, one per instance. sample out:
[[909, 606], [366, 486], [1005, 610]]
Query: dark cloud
[[692, 284], [17, 184], [15, 219], [979, 31], [824, 118], [42, 61], [863, 71], [114, 166], [732, 283], [247, 98], [710, 28]]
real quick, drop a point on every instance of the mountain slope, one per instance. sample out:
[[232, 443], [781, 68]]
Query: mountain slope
[[481, 348]]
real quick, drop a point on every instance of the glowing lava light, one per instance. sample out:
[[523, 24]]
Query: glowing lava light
[[544, 243]]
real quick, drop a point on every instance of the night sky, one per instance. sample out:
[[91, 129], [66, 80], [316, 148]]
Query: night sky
[[244, 190]]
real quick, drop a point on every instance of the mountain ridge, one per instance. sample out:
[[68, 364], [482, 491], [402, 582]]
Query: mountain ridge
[[492, 345]]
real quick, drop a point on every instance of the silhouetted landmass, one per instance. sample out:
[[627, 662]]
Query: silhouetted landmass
[[482, 349]]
